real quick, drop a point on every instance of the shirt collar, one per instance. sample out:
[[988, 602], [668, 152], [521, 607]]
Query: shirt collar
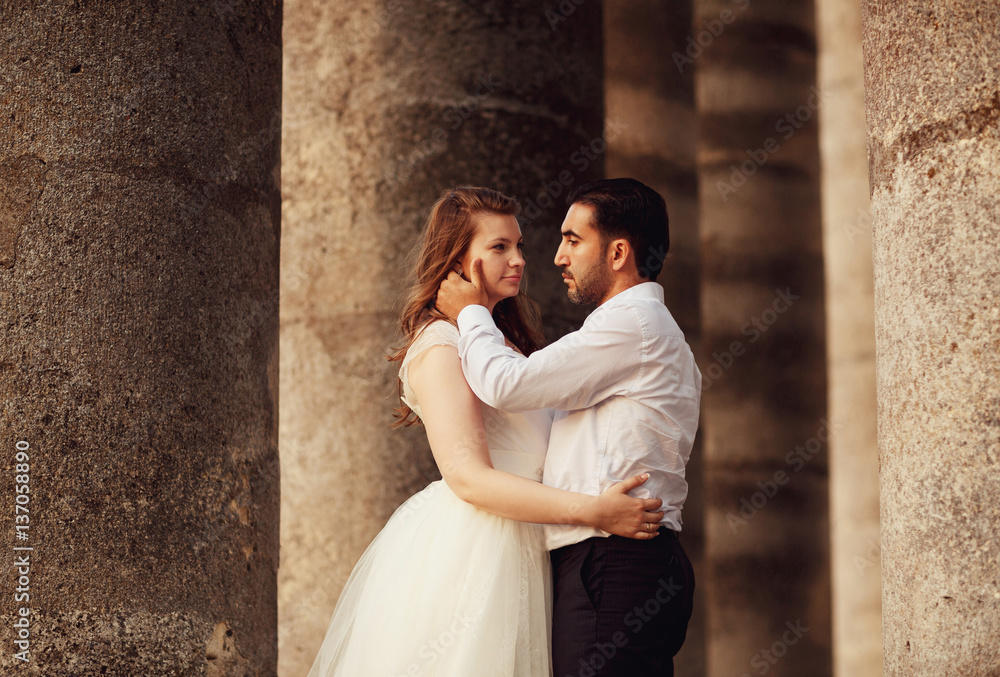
[[644, 290]]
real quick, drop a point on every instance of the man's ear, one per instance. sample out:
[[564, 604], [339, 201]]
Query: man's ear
[[618, 253]]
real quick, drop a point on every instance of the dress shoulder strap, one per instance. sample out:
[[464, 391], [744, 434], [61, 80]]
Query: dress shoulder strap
[[436, 333]]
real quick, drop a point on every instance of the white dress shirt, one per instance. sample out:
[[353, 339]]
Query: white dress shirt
[[626, 388]]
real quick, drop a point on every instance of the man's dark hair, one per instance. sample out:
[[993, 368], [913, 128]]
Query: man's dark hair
[[629, 209]]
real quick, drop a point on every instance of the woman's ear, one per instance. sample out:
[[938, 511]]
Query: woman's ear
[[460, 269]]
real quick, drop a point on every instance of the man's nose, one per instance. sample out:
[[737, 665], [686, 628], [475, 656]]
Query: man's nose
[[560, 259]]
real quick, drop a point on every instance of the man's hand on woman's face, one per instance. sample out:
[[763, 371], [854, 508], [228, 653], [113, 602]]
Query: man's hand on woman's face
[[455, 293]]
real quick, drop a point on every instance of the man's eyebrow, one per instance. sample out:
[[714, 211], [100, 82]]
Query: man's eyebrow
[[570, 233]]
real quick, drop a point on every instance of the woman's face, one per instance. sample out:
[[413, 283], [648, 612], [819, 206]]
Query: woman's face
[[497, 241]]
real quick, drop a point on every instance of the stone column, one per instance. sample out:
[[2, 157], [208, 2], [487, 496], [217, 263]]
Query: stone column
[[933, 110], [139, 233], [762, 307], [854, 525], [386, 104], [649, 95]]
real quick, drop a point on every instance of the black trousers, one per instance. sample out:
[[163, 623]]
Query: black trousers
[[621, 606]]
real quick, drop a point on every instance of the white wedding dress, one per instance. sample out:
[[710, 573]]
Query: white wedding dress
[[447, 589]]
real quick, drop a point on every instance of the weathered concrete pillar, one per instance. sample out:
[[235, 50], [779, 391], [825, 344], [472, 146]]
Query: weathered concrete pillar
[[139, 233], [762, 305], [933, 109], [386, 104], [649, 95], [850, 332]]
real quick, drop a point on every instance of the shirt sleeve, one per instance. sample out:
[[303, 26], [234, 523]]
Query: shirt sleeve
[[601, 360]]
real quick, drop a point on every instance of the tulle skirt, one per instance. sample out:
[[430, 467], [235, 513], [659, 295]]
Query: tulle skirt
[[444, 590]]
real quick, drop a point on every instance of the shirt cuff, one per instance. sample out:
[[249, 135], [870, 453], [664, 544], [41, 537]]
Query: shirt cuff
[[473, 316]]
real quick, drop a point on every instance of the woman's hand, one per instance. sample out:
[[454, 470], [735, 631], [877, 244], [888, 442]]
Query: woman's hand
[[618, 513]]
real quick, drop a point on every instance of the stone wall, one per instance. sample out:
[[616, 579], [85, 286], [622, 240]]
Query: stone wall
[[387, 104], [764, 406], [850, 330], [933, 109], [139, 236]]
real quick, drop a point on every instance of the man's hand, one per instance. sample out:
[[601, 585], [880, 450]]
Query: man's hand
[[455, 293], [618, 513]]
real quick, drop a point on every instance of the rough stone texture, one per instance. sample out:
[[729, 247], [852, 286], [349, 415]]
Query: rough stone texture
[[766, 523], [933, 109], [652, 100], [386, 104], [139, 234], [854, 525]]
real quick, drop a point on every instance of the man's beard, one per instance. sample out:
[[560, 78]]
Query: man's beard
[[592, 287]]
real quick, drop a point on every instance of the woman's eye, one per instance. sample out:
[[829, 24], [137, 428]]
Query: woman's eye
[[498, 247]]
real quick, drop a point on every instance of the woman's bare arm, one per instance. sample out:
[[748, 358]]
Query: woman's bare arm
[[454, 425]]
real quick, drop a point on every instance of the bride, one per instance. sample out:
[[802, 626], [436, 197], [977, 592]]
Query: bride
[[457, 583]]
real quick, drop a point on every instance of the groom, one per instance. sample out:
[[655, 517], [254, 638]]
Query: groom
[[626, 390]]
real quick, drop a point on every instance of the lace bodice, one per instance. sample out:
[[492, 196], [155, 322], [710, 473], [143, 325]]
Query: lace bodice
[[517, 442]]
